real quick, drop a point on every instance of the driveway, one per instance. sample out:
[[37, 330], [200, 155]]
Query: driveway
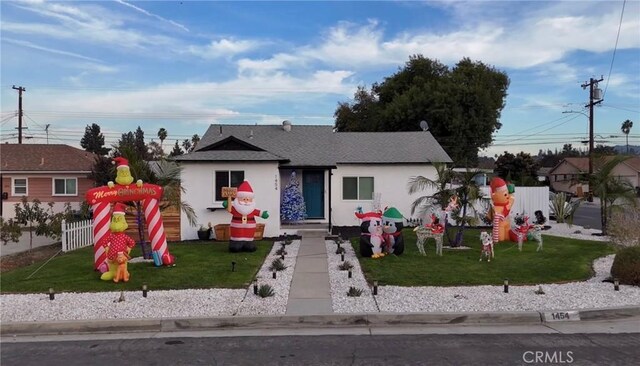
[[23, 244]]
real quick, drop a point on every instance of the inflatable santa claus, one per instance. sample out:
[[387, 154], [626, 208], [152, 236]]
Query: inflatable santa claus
[[243, 220]]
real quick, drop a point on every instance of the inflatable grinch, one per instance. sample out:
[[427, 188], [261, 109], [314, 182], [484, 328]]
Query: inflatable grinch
[[502, 199], [117, 246], [243, 220], [393, 222]]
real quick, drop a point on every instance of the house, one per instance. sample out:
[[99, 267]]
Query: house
[[568, 170], [339, 172], [51, 173]]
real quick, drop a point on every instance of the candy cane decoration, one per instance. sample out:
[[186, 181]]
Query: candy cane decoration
[[155, 226], [497, 218], [101, 221], [101, 197]]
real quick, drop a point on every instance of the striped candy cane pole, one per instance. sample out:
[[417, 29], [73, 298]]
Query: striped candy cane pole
[[497, 218], [100, 229], [155, 226]]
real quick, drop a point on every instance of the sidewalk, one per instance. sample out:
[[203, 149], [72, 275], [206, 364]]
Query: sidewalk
[[310, 293], [23, 244]]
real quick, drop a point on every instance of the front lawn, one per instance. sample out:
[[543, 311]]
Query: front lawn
[[198, 265], [563, 260]]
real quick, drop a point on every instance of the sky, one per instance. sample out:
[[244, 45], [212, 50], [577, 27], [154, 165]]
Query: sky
[[183, 65]]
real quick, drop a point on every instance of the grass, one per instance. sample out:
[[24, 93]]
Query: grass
[[563, 260], [199, 264]]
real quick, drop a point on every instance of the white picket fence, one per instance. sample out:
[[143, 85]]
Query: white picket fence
[[76, 235]]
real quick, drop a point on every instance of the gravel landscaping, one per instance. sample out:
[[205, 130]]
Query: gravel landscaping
[[158, 304], [592, 293]]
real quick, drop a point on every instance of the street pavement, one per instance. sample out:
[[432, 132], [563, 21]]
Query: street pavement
[[344, 349]]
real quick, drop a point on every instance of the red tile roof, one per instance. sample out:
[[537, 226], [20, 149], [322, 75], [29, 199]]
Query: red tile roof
[[41, 157]]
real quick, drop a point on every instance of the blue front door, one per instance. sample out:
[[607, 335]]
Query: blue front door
[[313, 192]]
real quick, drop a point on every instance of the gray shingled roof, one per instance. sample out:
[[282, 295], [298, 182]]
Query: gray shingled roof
[[307, 145]]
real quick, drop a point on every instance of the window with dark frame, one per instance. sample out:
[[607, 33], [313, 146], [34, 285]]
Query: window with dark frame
[[227, 178], [65, 187], [357, 188]]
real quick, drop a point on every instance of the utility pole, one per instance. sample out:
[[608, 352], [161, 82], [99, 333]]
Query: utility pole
[[594, 99], [20, 90]]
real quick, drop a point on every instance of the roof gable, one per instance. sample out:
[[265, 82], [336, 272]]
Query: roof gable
[[231, 143]]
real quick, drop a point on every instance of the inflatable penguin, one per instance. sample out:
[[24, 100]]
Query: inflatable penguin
[[392, 221], [371, 238]]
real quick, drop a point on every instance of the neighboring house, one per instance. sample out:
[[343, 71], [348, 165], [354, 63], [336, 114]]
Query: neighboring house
[[338, 171], [50, 173], [563, 175]]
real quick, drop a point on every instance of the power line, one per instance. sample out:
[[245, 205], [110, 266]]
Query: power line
[[614, 49]]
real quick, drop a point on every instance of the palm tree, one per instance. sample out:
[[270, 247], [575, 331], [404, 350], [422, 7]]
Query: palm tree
[[442, 194], [165, 174], [467, 192], [614, 192], [626, 128], [162, 135]]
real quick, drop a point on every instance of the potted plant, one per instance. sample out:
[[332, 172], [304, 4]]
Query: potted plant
[[204, 232]]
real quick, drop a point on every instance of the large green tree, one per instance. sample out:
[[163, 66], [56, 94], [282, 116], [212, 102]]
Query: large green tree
[[521, 168], [177, 151], [462, 105], [93, 140]]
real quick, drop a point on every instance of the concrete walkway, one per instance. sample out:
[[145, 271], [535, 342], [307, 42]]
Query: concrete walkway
[[310, 292], [23, 244]]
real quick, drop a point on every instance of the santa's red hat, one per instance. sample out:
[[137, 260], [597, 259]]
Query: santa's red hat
[[244, 190], [120, 162], [119, 208], [367, 216], [498, 184]]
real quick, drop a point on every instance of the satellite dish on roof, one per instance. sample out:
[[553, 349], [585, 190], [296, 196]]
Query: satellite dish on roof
[[424, 125]]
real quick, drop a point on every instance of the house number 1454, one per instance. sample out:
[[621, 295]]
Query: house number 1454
[[561, 316]]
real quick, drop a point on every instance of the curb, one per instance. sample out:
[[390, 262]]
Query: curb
[[296, 322]]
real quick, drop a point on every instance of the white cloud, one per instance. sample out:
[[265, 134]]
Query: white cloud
[[279, 61], [47, 49], [89, 24], [153, 15], [223, 48]]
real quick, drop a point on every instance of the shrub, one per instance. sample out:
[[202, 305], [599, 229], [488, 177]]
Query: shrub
[[561, 209], [266, 291], [354, 292], [345, 266], [281, 251], [340, 250], [623, 227], [626, 266], [9, 231], [277, 265]]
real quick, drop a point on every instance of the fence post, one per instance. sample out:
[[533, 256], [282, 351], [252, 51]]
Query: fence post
[[64, 236]]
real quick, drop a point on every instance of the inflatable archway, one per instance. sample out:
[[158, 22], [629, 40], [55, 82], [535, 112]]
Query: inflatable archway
[[100, 199]]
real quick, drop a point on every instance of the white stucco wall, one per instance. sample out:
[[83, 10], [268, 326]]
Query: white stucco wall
[[389, 180], [198, 180]]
